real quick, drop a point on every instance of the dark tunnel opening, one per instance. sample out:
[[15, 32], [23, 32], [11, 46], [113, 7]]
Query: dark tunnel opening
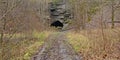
[[57, 24]]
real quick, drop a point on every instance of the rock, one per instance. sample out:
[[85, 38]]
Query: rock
[[61, 11], [55, 13], [58, 12], [61, 7]]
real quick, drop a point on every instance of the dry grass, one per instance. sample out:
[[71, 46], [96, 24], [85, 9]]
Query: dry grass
[[93, 45], [22, 47]]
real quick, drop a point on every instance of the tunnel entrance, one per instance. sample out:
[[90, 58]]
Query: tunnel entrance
[[57, 24]]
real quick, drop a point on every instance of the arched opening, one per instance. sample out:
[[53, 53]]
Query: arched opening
[[57, 24]]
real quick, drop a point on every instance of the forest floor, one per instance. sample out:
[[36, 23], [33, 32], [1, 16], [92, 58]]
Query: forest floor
[[56, 47], [67, 45]]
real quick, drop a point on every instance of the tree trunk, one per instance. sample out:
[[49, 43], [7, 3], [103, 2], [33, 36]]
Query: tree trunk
[[113, 15]]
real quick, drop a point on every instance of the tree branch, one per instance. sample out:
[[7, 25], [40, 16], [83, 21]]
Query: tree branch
[[4, 15]]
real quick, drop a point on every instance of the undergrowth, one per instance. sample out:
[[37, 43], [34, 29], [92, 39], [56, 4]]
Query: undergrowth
[[22, 46], [93, 45]]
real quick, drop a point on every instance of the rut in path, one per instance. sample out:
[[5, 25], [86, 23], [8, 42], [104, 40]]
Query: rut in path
[[56, 48]]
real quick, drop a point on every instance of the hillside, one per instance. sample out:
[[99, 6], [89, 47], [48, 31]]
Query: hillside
[[59, 30]]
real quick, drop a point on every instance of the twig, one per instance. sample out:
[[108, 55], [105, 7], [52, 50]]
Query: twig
[[4, 15]]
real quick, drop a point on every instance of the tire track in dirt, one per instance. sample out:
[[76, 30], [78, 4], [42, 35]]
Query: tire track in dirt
[[56, 47]]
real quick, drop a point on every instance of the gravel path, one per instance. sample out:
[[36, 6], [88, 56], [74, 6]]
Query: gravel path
[[56, 48]]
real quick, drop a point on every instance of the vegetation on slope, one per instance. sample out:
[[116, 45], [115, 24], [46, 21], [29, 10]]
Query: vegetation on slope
[[93, 46], [23, 47], [19, 16]]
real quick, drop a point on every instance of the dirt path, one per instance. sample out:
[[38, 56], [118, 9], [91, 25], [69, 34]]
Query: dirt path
[[56, 48]]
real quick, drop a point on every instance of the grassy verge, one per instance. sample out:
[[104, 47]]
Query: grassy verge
[[22, 47], [93, 45]]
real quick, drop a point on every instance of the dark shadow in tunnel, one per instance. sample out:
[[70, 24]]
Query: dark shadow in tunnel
[[57, 24]]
